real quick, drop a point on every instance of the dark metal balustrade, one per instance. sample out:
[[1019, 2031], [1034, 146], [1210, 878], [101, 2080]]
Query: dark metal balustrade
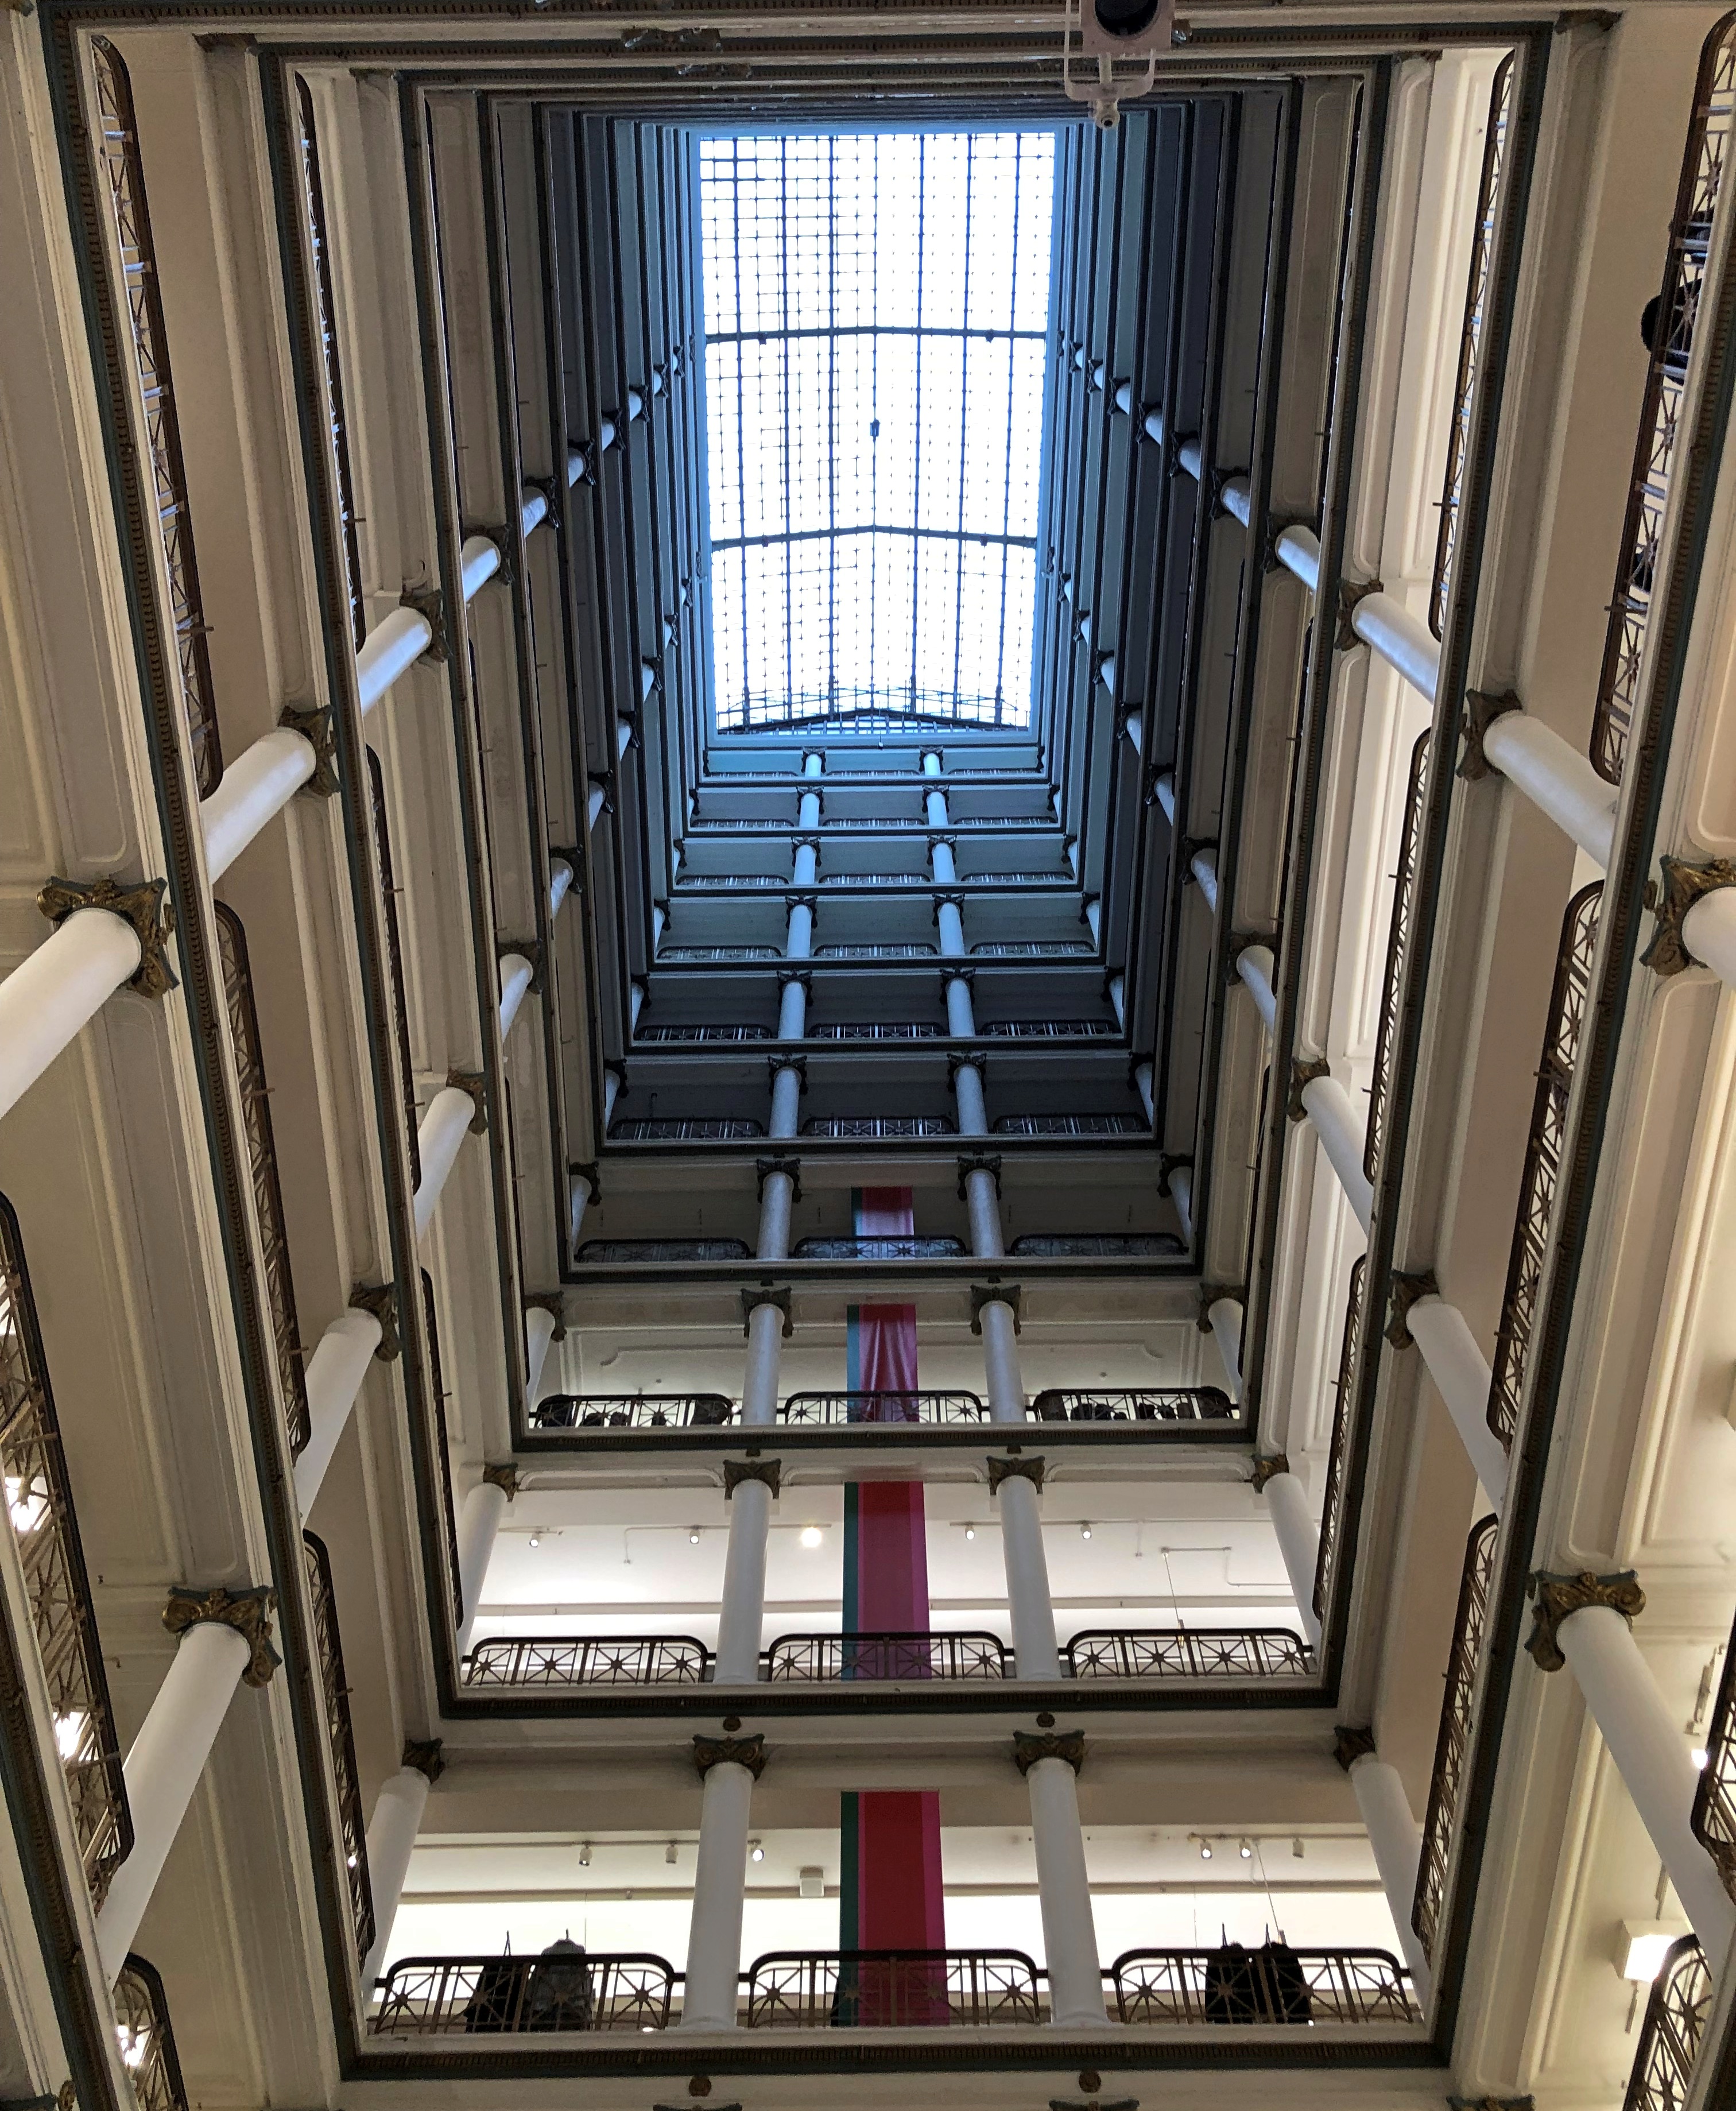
[[692, 955], [314, 199], [681, 1035], [39, 1502], [1025, 949], [1186, 1653], [341, 1739], [1469, 1623], [1070, 1125], [1049, 1029], [830, 1409], [147, 2038], [1398, 940], [442, 1464], [654, 1410], [1543, 1159], [1677, 2010], [118, 151], [1094, 1246], [616, 1250], [914, 949], [394, 959], [1237, 1985], [561, 1989], [1191, 1404], [588, 1660], [267, 1193], [885, 1656], [864, 1989], [879, 1249], [684, 1131], [1715, 1800], [1331, 1516], [869, 1128], [877, 1030]]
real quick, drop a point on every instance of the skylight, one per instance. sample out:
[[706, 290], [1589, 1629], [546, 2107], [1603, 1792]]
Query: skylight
[[877, 309]]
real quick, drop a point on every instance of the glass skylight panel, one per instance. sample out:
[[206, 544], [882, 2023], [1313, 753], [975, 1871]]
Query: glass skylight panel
[[876, 312]]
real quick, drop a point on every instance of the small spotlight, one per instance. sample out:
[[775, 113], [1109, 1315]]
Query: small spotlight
[[812, 1536], [970, 1532], [668, 1853], [1085, 1531], [755, 1852], [584, 1856], [693, 1535], [1245, 1851], [1205, 1851], [534, 1540], [1701, 1758]]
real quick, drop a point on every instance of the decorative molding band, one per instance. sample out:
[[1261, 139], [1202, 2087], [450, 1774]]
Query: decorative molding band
[[749, 1752], [505, 1477], [979, 1161], [1350, 1744], [247, 1612], [1011, 1469], [1560, 1597], [790, 1169], [1027, 1749], [314, 726], [1406, 1290], [552, 1302], [1009, 1294], [1304, 1073], [1267, 1466], [381, 1299], [766, 1294], [423, 1755], [142, 906], [735, 1471], [474, 1082], [1481, 710], [1684, 885]]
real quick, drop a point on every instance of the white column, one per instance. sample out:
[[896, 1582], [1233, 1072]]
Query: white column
[[596, 799], [1299, 1544], [623, 737], [479, 1517], [1340, 1129], [951, 927], [1396, 1840], [392, 1838], [807, 811], [759, 1385], [806, 869], [799, 939], [786, 1099], [1118, 998], [1404, 643], [1709, 932], [1164, 785], [1224, 1316], [931, 762], [394, 644], [334, 1375], [1254, 965], [942, 865], [775, 1200], [983, 1203], [1134, 726], [973, 1115], [1556, 778], [935, 805], [439, 1140], [1297, 550], [1142, 1078], [1094, 919], [1181, 1194], [479, 561], [55, 992], [533, 510], [162, 1770], [719, 1880], [517, 974], [260, 782], [1645, 1740], [561, 884], [1236, 498], [635, 1005], [1204, 869], [539, 1332], [1000, 1360], [1463, 1380], [1029, 1605], [792, 1010], [1064, 1892], [961, 1010], [742, 1609]]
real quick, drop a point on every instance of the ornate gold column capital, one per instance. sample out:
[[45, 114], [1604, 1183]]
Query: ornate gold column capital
[[313, 723], [1560, 1597], [735, 1471], [1265, 1466], [422, 1755], [1351, 1743], [474, 1082], [504, 1477], [381, 1300], [1350, 593], [142, 906], [1012, 1294], [1010, 1468], [1028, 1748], [1403, 1291], [749, 1752], [554, 1305], [1683, 886], [247, 1612]]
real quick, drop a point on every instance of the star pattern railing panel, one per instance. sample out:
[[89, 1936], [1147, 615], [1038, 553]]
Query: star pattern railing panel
[[1469, 1623], [394, 959], [792, 1657], [654, 1410], [1331, 1515], [829, 1410], [341, 1739], [568, 1990], [1189, 1404], [588, 1660], [1397, 941], [1271, 1985], [886, 1989], [1185, 1653], [1715, 1800], [1670, 2038], [147, 2038]]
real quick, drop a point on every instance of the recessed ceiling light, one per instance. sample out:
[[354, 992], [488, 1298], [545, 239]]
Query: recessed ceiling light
[[812, 1536]]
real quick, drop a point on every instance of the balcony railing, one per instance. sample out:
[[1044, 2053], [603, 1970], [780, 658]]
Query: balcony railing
[[1093, 1246], [696, 1035], [1192, 1404], [880, 1249], [792, 1657], [1397, 938], [877, 1030], [863, 1989], [1331, 1516], [1468, 1625], [341, 1739], [1270, 1985], [654, 1410], [1542, 1158], [613, 1251], [1676, 2012], [684, 1131], [267, 1193], [394, 958], [561, 1989], [1715, 1800], [38, 1501], [1070, 1125], [1672, 336], [1049, 1029], [443, 1464], [319, 243], [147, 2038], [589, 1660], [1185, 1653], [828, 1409], [878, 1129]]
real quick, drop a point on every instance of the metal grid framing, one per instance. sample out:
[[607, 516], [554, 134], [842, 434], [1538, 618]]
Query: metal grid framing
[[876, 311]]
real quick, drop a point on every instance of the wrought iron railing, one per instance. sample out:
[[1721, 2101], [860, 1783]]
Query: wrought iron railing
[[693, 955], [1186, 1653], [1049, 1029], [267, 1193], [691, 881], [341, 1739], [119, 152], [588, 1660], [1331, 1515], [319, 243], [1070, 1125], [1270, 1985], [1093, 1246], [443, 1463], [916, 949], [1454, 1738], [1398, 940], [1670, 326], [1191, 1404], [877, 1030], [874, 879], [879, 1249], [1676, 2013], [869, 1408], [1471, 337], [684, 1131], [1568, 998], [616, 1250], [653, 1411], [885, 1656], [864, 1989], [1715, 1800], [560, 1989], [871, 1128], [695, 1035], [1025, 949], [147, 2038], [39, 1502], [394, 958]]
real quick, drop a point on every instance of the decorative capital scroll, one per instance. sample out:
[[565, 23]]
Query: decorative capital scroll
[[505, 1477], [592, 1179], [1170, 1162], [749, 1752], [247, 1612], [573, 858], [550, 486], [423, 1755], [1278, 525], [529, 949], [1481, 710], [735, 1471], [314, 726], [797, 1064], [1351, 594], [997, 1293], [1350, 1744], [142, 906], [430, 603], [804, 976], [956, 1062], [957, 972], [552, 1302], [790, 1169], [1238, 942], [800, 899], [979, 1161], [1186, 850], [1405, 1291], [1683, 886], [939, 902], [1560, 1597], [939, 841], [1011, 1469], [1209, 1294], [765, 1294], [1028, 1748], [381, 1299], [1265, 1466], [1303, 1072], [506, 538], [472, 1082]]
